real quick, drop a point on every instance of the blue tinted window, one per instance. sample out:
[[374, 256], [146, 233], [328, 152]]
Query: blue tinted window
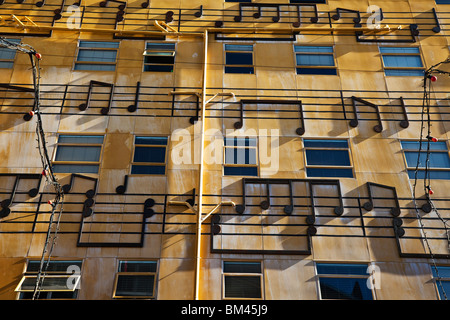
[[435, 159], [404, 73], [328, 157], [242, 142], [415, 145], [402, 61], [99, 44], [315, 60], [399, 50], [150, 154], [329, 71], [239, 58], [140, 169], [436, 175], [325, 143], [328, 172], [240, 155], [442, 285], [344, 288], [340, 268], [341, 287], [97, 55], [151, 140], [240, 171]]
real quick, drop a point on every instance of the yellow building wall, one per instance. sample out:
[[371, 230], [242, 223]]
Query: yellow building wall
[[357, 236]]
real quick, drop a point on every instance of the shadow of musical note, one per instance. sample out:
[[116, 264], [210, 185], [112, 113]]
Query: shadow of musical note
[[300, 130], [33, 192]]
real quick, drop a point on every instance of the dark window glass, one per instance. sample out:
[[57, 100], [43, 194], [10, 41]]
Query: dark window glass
[[328, 157], [137, 266], [342, 288], [317, 71], [241, 171], [241, 267], [150, 154], [324, 172], [243, 287], [135, 285], [140, 169]]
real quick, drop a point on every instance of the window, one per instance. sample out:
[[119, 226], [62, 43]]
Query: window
[[78, 154], [242, 280], [239, 58], [7, 55], [344, 281], [438, 164], [315, 60], [159, 57], [402, 61], [443, 281], [149, 155], [240, 157], [97, 56], [442, 1], [61, 280], [135, 279], [327, 158]]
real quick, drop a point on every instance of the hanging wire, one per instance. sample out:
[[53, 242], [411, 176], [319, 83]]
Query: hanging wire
[[47, 171], [427, 178]]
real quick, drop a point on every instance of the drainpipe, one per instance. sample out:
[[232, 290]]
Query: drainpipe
[[200, 174]]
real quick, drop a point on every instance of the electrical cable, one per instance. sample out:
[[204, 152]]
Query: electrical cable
[[427, 178], [47, 171]]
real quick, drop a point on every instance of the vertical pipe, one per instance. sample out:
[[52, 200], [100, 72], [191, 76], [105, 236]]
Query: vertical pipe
[[200, 178]]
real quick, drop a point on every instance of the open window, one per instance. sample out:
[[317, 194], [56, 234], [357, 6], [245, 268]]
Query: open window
[[60, 280], [159, 57]]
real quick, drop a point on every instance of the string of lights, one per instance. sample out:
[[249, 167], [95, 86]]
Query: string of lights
[[47, 171], [429, 77]]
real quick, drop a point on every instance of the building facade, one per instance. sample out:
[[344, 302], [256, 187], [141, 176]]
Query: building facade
[[218, 149]]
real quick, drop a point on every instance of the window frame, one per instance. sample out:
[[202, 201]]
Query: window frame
[[79, 48], [340, 276], [419, 54], [97, 163], [237, 165], [12, 60], [447, 151], [119, 273], [435, 279], [242, 274], [51, 274], [317, 67], [145, 54], [166, 155], [239, 65], [348, 149]]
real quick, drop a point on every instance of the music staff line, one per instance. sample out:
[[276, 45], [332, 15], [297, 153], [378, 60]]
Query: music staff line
[[118, 17]]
